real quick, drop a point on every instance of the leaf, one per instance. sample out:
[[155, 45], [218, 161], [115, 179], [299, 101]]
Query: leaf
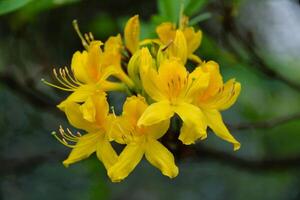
[[169, 9], [194, 6], [7, 6]]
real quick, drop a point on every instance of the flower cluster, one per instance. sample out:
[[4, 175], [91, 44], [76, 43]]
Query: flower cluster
[[154, 75]]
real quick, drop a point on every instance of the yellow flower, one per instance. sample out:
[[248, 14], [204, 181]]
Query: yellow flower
[[92, 116], [167, 31], [218, 97], [174, 89], [90, 71], [140, 140]]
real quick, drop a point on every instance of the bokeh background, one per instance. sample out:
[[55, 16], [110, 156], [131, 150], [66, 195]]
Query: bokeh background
[[255, 41]]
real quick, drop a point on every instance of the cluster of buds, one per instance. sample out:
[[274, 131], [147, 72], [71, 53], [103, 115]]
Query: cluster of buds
[[153, 74]]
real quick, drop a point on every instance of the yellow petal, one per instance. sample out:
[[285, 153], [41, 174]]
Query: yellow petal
[[178, 48], [88, 110], [191, 116], [215, 81], [133, 108], [127, 161], [75, 117], [156, 131], [215, 122], [101, 108], [156, 113], [85, 146], [160, 157], [114, 43], [79, 95], [189, 134], [105, 152], [78, 66], [94, 61], [234, 93], [193, 39], [198, 81], [166, 32], [132, 34], [150, 81]]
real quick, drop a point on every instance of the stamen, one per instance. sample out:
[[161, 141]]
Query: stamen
[[91, 36], [73, 79], [62, 141], [87, 38], [55, 86], [77, 30], [167, 45]]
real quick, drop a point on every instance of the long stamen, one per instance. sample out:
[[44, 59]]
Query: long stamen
[[77, 30], [63, 75], [68, 82], [56, 86], [62, 141], [72, 78]]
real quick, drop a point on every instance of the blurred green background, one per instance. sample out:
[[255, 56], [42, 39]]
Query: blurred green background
[[255, 41]]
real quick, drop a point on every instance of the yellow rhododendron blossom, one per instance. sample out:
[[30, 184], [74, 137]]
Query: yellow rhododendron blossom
[[90, 72], [92, 117], [140, 141], [217, 97], [173, 89], [167, 31], [158, 86]]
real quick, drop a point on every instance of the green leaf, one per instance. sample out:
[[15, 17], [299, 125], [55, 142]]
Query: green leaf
[[7, 6], [194, 6], [169, 9]]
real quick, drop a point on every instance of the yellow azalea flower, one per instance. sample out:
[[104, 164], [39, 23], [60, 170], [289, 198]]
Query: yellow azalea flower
[[140, 141], [177, 48], [89, 74], [92, 116], [167, 31], [132, 34], [173, 89], [215, 98]]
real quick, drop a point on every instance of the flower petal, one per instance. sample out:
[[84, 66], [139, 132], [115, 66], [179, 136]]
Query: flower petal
[[132, 34], [215, 80], [166, 32], [127, 161], [191, 116], [133, 108], [88, 110], [78, 66], [79, 95], [189, 134], [105, 152], [150, 83], [156, 131], [193, 39], [156, 113], [75, 117], [178, 48], [159, 156], [85, 146], [215, 122], [235, 92]]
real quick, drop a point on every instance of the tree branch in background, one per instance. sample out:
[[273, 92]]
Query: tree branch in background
[[267, 164], [265, 124]]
